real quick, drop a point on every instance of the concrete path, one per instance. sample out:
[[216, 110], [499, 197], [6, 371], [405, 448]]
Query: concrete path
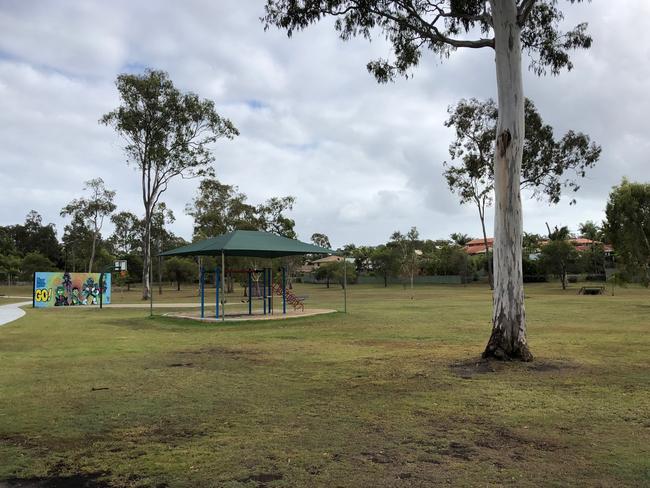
[[11, 312]]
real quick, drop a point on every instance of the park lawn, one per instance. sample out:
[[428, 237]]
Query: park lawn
[[388, 395]]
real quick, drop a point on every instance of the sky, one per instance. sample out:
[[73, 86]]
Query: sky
[[362, 159]]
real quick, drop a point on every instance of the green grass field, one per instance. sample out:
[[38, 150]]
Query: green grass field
[[388, 395]]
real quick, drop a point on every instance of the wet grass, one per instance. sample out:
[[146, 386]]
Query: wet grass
[[391, 394]]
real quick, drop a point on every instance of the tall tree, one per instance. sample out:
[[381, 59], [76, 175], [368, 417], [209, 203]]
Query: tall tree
[[320, 240], [168, 135], [548, 165], [442, 26], [92, 209], [273, 218], [628, 226]]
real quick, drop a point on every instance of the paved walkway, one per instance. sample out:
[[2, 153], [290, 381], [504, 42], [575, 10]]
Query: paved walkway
[[11, 312]]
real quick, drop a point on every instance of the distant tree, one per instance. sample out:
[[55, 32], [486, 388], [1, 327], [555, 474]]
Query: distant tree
[[334, 272], [10, 265], [33, 236], [460, 239], [77, 243], [440, 27], [127, 234], [180, 270], [219, 208], [628, 227], [558, 253], [590, 230], [273, 219], [168, 135], [546, 162], [531, 242], [385, 262], [321, 240], [33, 262], [92, 210], [409, 254]]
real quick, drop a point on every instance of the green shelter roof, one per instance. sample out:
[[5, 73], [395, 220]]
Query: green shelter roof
[[248, 243]]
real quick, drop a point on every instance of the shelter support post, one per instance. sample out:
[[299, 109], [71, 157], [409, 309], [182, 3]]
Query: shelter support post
[[250, 292], [223, 285], [270, 297], [217, 280], [264, 289], [202, 287], [284, 290]]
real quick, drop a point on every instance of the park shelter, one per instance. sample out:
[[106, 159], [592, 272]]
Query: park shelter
[[246, 243]]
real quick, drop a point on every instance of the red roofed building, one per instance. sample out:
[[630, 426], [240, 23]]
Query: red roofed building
[[477, 246]]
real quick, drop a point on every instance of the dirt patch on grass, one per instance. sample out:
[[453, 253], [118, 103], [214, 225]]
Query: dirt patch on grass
[[261, 479], [87, 480], [473, 367]]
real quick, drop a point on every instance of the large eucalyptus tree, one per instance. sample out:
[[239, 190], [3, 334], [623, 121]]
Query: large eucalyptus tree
[[508, 28]]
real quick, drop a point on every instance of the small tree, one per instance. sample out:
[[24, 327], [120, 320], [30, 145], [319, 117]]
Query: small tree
[[321, 240], [460, 239], [409, 254], [326, 272], [168, 135], [385, 262], [10, 265], [180, 270], [628, 226], [33, 262], [92, 211], [558, 253]]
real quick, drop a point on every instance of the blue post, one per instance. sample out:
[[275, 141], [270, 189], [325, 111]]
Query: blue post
[[250, 292], [284, 290], [217, 282], [264, 289], [202, 286], [270, 298]]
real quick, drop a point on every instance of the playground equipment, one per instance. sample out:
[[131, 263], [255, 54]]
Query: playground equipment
[[266, 293]]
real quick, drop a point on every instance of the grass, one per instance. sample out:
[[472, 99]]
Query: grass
[[388, 395]]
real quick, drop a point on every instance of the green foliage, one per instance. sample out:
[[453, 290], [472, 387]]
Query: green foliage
[[10, 266], [32, 262], [385, 262], [558, 256], [438, 27], [334, 272], [460, 239], [447, 260], [32, 236], [180, 270], [548, 165], [219, 208], [321, 240], [628, 227], [90, 212]]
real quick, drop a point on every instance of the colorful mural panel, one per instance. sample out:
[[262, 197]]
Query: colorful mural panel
[[70, 289]]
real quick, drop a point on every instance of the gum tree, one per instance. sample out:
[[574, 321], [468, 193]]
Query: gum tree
[[168, 135], [508, 28], [548, 165]]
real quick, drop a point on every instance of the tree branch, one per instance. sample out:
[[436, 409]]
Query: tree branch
[[524, 11]]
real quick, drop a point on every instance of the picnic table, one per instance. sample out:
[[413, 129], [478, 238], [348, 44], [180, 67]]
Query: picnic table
[[592, 290]]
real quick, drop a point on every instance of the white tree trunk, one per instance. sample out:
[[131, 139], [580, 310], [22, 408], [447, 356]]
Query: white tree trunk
[[146, 256], [508, 339]]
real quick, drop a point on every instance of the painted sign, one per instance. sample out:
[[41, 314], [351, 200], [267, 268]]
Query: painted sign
[[69, 289]]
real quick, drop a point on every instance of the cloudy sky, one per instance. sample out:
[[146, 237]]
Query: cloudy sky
[[362, 159]]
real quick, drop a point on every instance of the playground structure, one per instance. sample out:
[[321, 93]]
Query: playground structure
[[265, 293]]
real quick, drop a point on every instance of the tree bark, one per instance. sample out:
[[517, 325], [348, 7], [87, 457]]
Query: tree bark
[[146, 254], [92, 253], [481, 214], [508, 338]]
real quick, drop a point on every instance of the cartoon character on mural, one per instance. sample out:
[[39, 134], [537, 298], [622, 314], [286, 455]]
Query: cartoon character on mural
[[60, 299], [67, 285], [76, 298], [90, 292]]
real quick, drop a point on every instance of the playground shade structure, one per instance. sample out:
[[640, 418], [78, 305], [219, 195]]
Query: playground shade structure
[[249, 243]]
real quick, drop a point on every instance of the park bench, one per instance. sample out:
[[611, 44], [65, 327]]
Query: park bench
[[591, 290]]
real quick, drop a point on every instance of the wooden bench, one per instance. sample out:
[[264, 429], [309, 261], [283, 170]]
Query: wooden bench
[[591, 290]]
